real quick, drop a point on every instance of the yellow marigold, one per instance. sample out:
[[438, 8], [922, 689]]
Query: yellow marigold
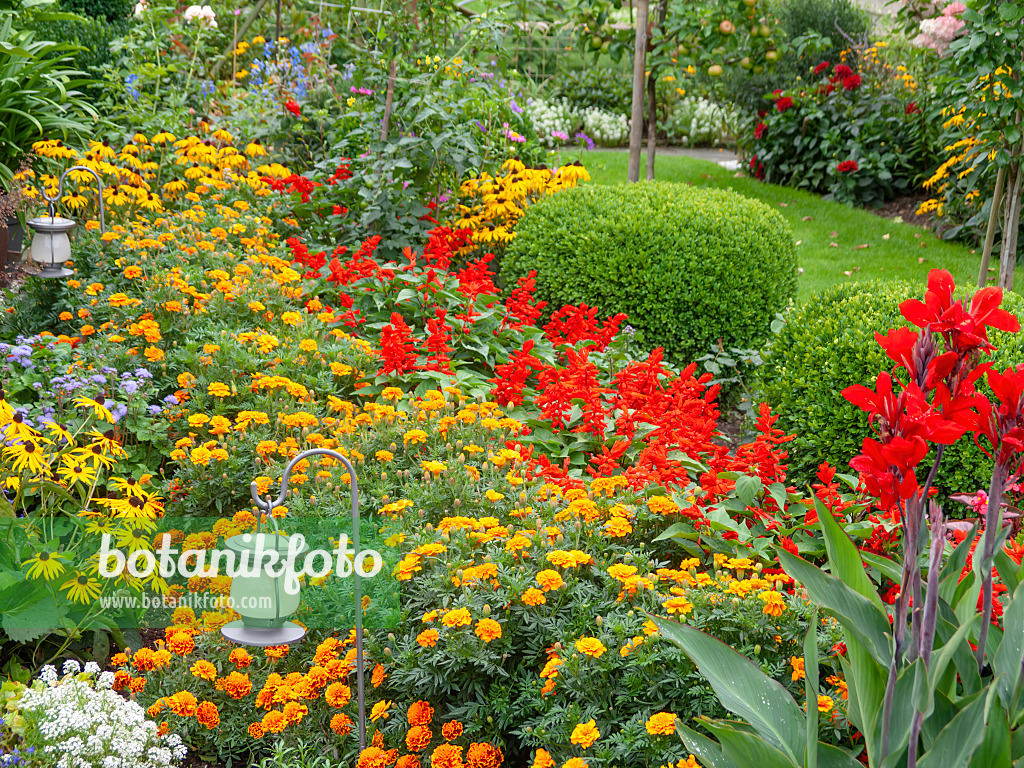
[[590, 646], [457, 617], [585, 734], [825, 703], [774, 604], [661, 724], [662, 505], [575, 762], [534, 597], [392, 393], [384, 456], [488, 629], [678, 605], [493, 496], [218, 389], [291, 318], [380, 711], [797, 662], [204, 670], [549, 580], [414, 437]]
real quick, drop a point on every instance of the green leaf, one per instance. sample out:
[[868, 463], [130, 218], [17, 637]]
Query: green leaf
[[811, 689], [704, 749], [941, 661], [1006, 663], [742, 687], [859, 616], [957, 741], [844, 557], [747, 488], [748, 749]]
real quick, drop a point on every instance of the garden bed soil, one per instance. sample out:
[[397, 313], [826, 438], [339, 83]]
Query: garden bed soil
[[906, 209]]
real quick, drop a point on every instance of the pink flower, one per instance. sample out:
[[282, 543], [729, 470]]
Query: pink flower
[[954, 9]]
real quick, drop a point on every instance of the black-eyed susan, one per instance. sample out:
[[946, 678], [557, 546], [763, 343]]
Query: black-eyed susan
[[28, 455], [46, 565], [81, 588], [98, 406], [73, 471]]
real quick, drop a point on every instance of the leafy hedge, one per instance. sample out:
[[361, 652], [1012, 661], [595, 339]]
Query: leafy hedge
[[689, 266], [829, 344], [94, 35]]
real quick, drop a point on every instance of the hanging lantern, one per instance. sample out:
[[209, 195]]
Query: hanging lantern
[[51, 246], [262, 599]]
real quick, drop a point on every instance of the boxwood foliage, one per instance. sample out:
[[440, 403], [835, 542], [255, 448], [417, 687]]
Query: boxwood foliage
[[689, 266], [829, 344]]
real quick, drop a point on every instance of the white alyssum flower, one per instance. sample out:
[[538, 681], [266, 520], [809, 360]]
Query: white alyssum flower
[[606, 128], [696, 121], [77, 725], [552, 120]]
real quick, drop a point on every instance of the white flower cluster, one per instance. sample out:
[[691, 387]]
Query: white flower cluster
[[556, 122], [77, 725], [204, 14], [606, 128], [696, 121]]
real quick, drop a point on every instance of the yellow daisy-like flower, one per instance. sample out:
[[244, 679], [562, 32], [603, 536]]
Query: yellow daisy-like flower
[[81, 588], [45, 564]]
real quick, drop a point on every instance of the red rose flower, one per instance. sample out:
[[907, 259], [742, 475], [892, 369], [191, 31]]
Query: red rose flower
[[760, 131], [783, 104], [847, 166], [821, 68], [293, 107], [852, 82]]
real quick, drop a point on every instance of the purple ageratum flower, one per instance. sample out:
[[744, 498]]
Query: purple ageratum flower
[[515, 107], [142, 373], [129, 387], [155, 410], [171, 400], [582, 137]]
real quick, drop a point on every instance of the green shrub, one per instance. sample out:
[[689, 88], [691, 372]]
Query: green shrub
[[844, 22], [108, 10], [829, 344], [93, 35], [605, 88], [689, 266]]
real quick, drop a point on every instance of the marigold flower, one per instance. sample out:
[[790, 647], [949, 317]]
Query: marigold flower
[[218, 389], [661, 724], [256, 730], [585, 734], [237, 685], [488, 629], [825, 703], [590, 646], [420, 713], [418, 738], [408, 761], [483, 755], [380, 711], [341, 724], [206, 714], [274, 721], [338, 694], [451, 730], [428, 638], [181, 643], [575, 762], [543, 759], [457, 617], [446, 756], [797, 662], [549, 580], [534, 597], [414, 437], [204, 670], [182, 703], [275, 651]]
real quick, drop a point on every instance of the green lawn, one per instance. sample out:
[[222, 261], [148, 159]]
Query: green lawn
[[835, 243]]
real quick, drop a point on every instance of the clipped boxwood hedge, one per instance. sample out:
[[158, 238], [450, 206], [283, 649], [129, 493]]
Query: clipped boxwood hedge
[[689, 266], [829, 344]]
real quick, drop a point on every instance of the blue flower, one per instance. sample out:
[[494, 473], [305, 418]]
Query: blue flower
[[515, 107]]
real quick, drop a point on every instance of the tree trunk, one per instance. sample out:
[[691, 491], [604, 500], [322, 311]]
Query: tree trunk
[[990, 233], [1011, 222], [636, 128], [652, 103], [388, 100]]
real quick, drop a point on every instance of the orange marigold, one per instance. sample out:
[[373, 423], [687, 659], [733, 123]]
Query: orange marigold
[[534, 596], [452, 730], [181, 643], [408, 761], [549, 580], [575, 762], [204, 670], [418, 738], [585, 734], [274, 721], [256, 730], [380, 711], [338, 694], [183, 704], [487, 630], [378, 676], [591, 646], [543, 759], [275, 651], [372, 757], [237, 685], [240, 658], [420, 713], [206, 714], [446, 756], [661, 724], [457, 617], [341, 724], [483, 755], [428, 638]]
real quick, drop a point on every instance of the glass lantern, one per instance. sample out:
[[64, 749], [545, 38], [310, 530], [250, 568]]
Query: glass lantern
[[51, 246], [261, 599]]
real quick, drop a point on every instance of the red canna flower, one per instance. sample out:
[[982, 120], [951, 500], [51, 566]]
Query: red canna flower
[[293, 107]]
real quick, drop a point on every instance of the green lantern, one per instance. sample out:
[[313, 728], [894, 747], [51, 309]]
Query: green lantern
[[263, 599]]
